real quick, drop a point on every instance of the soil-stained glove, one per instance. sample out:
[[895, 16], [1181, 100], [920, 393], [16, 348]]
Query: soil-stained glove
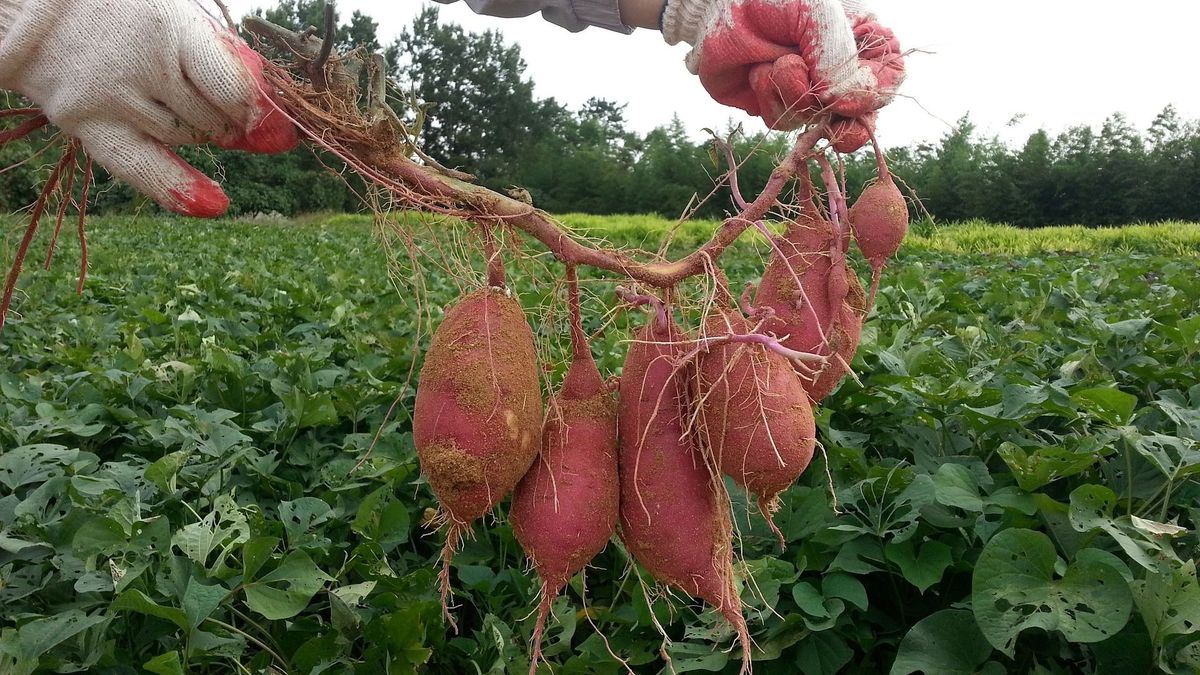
[[132, 78], [789, 61]]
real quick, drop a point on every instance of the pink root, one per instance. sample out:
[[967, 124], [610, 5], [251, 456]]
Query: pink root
[[454, 537], [548, 595]]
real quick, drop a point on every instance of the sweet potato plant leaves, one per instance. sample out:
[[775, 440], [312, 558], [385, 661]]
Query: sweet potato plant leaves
[[1016, 587], [179, 451]]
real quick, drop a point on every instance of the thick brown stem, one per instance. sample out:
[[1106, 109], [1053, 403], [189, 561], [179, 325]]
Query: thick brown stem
[[319, 64], [482, 206]]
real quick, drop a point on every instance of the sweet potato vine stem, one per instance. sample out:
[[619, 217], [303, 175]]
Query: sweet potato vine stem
[[375, 143]]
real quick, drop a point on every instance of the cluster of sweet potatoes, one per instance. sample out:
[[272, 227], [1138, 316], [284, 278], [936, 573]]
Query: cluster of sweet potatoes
[[735, 398]]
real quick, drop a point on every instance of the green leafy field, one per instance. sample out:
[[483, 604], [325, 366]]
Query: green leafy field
[[1015, 474]]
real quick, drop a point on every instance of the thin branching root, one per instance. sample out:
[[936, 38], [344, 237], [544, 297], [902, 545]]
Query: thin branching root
[[56, 198]]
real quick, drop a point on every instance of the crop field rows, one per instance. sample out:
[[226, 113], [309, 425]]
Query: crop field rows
[[206, 466]]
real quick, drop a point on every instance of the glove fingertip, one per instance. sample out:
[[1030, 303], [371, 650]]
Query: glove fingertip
[[269, 130], [202, 199], [273, 134]]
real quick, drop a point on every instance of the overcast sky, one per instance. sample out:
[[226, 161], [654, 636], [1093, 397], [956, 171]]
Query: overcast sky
[[1056, 62]]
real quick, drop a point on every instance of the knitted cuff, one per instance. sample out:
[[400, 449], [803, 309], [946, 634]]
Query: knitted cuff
[[685, 20], [600, 13], [858, 8]]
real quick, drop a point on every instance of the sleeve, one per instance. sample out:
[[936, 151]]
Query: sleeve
[[574, 15]]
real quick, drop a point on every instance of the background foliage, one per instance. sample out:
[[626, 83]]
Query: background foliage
[[487, 118], [1015, 474]]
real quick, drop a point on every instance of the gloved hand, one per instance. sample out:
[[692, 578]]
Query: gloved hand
[[131, 78], [789, 61]]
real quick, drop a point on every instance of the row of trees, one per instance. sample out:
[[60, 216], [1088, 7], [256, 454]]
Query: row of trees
[[485, 117]]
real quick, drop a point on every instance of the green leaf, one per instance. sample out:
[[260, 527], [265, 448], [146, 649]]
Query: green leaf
[[1014, 588], [1091, 509], [847, 588], [822, 612], [956, 485], [300, 516], [38, 637], [309, 410], [164, 470], [809, 600], [134, 600], [33, 464], [256, 553], [923, 569], [946, 643], [822, 654], [99, 536], [287, 590], [858, 556], [1169, 604], [165, 664], [223, 528], [200, 601], [690, 657], [1039, 467], [1110, 405]]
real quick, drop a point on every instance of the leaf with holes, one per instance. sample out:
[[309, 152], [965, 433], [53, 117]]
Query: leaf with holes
[[1092, 509], [1038, 467], [1169, 604], [1014, 588]]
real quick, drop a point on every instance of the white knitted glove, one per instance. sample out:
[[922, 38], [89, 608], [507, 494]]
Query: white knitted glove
[[130, 78], [788, 60]]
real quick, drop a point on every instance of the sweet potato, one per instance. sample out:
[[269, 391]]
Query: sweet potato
[[823, 313], [757, 420], [564, 510], [675, 517], [879, 220], [478, 415]]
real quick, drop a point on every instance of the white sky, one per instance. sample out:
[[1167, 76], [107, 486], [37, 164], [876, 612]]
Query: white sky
[[1057, 62]]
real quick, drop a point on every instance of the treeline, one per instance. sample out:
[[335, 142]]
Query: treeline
[[484, 117]]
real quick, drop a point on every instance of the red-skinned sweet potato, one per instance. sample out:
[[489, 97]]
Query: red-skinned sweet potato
[[757, 419], [564, 510], [478, 416], [675, 517], [823, 314], [879, 220]]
